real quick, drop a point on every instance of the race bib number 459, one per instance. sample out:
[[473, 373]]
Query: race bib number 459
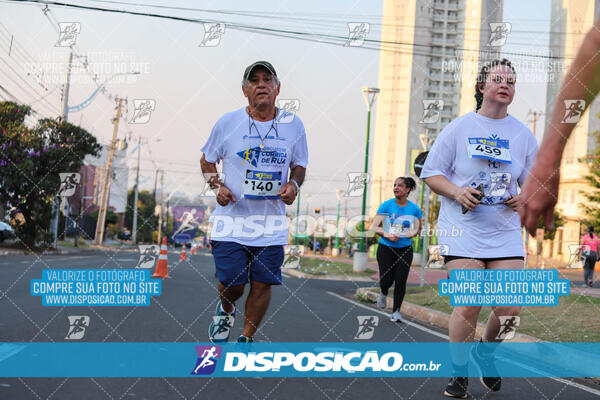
[[491, 149], [261, 185]]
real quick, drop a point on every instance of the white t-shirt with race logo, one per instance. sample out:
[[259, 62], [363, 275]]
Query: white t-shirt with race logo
[[496, 153], [254, 174]]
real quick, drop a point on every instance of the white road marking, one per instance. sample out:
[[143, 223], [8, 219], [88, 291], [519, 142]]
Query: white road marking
[[441, 335]]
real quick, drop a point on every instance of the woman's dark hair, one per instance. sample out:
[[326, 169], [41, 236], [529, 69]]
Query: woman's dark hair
[[482, 77], [408, 182], [590, 229]]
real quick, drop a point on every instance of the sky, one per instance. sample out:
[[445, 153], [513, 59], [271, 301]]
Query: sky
[[191, 85]]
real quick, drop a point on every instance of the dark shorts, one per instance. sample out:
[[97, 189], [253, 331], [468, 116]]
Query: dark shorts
[[236, 264], [485, 260]]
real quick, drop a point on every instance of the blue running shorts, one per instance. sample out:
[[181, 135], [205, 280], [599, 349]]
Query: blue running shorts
[[236, 263]]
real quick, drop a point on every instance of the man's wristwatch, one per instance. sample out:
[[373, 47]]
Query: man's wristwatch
[[295, 184]]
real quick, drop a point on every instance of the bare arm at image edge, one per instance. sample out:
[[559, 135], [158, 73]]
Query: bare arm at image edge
[[540, 191]]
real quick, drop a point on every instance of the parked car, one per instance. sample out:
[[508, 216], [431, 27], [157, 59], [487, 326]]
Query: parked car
[[124, 235], [6, 231]]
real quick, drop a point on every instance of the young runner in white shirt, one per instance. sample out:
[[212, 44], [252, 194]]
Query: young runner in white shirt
[[490, 149]]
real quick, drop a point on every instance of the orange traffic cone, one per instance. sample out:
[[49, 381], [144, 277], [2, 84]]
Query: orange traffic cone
[[194, 248], [182, 256], [162, 268]]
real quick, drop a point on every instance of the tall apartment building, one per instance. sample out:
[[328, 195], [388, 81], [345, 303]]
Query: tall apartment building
[[432, 50], [570, 20]]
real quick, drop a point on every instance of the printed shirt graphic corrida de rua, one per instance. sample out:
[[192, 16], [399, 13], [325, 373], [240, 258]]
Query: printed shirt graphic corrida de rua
[[496, 153], [238, 148]]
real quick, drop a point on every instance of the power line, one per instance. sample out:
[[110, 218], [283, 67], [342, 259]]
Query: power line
[[296, 16], [300, 35]]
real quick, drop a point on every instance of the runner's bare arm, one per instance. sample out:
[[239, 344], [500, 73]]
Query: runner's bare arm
[[464, 196], [540, 191], [288, 192], [376, 225], [297, 173]]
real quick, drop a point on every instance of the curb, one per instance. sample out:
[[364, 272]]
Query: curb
[[434, 317], [29, 253], [302, 275]]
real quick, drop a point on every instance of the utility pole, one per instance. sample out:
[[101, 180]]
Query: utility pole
[[155, 180], [81, 203], [64, 116], [162, 181], [380, 189], [135, 195], [65, 99], [534, 116], [107, 179]]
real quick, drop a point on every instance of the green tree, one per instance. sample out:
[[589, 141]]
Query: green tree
[[147, 221], [30, 163], [558, 222], [592, 207]]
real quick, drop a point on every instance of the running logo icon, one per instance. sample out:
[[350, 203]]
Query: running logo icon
[[358, 32], [77, 326], [142, 110], [431, 111], [356, 182], [436, 255], [148, 255], [366, 326], [289, 108], [292, 256], [207, 191], [207, 359], [499, 33], [508, 326], [576, 250], [212, 34], [221, 327], [573, 111], [68, 183], [68, 33], [250, 156]]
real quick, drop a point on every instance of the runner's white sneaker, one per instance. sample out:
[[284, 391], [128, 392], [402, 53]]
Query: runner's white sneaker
[[382, 301], [396, 317]]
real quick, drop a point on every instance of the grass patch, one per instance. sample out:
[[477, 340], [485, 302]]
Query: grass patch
[[80, 243], [315, 266], [575, 319]]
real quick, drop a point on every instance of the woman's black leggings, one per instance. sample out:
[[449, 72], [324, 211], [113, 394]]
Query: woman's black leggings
[[394, 266]]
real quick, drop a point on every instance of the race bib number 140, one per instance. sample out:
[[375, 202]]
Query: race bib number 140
[[490, 149], [261, 185]]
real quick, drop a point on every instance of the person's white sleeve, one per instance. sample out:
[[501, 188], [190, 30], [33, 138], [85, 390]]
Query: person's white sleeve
[[213, 149], [299, 156], [440, 159], [532, 148]]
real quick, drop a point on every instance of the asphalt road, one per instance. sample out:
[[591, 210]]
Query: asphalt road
[[301, 310]]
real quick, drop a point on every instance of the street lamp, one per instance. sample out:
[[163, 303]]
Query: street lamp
[[360, 258], [338, 193]]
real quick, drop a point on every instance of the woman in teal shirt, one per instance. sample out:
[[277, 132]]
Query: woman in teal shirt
[[397, 221]]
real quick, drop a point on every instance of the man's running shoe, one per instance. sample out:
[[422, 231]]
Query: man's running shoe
[[245, 339], [457, 388], [382, 300], [485, 362], [396, 317], [221, 325]]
